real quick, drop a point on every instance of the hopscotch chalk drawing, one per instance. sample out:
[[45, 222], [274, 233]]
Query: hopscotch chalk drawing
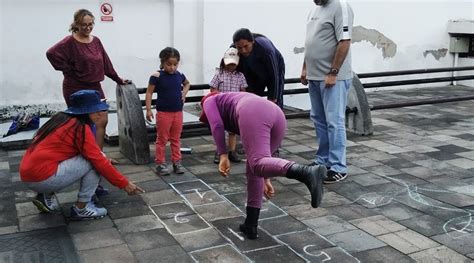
[[456, 227]]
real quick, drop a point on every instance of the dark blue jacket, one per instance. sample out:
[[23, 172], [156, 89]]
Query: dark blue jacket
[[264, 67]]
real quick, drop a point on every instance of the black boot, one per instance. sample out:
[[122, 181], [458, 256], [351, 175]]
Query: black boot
[[312, 177], [249, 228]]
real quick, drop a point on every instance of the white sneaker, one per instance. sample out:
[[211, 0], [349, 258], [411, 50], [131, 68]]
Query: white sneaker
[[47, 203], [90, 211]]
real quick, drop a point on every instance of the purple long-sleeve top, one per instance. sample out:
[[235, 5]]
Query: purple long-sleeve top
[[222, 113], [81, 63]]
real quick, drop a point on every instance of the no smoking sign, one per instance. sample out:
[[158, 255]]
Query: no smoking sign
[[106, 9]]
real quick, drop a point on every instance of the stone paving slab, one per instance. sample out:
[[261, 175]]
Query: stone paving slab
[[408, 198], [164, 254], [224, 253], [383, 255], [377, 225], [355, 240], [112, 254], [229, 228], [149, 239], [407, 241], [439, 254], [207, 238], [50, 245]]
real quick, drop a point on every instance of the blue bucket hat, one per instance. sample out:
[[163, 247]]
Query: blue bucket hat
[[86, 101]]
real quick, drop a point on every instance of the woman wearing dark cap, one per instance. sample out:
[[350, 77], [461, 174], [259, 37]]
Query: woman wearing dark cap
[[262, 64], [64, 151], [261, 134], [83, 60]]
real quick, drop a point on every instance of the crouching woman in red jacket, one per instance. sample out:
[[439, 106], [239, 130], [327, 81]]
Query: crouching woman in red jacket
[[64, 151]]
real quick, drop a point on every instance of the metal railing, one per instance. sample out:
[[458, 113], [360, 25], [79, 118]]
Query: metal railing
[[295, 113]]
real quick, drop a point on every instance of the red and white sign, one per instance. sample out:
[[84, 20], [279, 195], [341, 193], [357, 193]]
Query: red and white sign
[[106, 9]]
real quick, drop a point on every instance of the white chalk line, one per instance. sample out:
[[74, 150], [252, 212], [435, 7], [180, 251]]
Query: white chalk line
[[413, 193], [334, 245], [216, 247]]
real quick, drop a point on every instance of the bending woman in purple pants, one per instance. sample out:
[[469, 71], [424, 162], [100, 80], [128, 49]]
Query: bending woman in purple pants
[[261, 125]]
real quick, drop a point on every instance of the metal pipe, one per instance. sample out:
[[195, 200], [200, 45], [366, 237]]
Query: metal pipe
[[361, 75], [414, 81], [456, 55], [412, 71], [420, 102]]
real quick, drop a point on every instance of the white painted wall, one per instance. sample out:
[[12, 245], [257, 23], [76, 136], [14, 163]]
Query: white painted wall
[[202, 30], [133, 40]]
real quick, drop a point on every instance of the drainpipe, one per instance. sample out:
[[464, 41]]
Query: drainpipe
[[455, 64]]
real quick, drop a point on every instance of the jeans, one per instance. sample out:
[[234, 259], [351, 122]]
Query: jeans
[[328, 112], [70, 171]]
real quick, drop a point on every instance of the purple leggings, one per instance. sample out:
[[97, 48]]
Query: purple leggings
[[261, 135]]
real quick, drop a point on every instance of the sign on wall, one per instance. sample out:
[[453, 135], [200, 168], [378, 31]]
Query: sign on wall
[[106, 11]]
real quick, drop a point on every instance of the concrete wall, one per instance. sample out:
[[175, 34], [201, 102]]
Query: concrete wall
[[133, 40], [390, 35]]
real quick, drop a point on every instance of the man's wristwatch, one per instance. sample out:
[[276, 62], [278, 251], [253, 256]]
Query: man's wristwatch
[[333, 71]]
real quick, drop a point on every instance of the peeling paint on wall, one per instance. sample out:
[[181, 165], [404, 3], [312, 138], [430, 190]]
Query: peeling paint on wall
[[436, 53], [360, 33], [298, 50]]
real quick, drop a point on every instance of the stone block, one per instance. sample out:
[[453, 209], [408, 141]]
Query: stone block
[[112, 254], [128, 209], [184, 224], [225, 253], [89, 225], [133, 136], [359, 122], [355, 241], [137, 223], [164, 254], [161, 197], [279, 254], [457, 241], [408, 241], [377, 225], [40, 221], [282, 225], [202, 239], [439, 254], [383, 254], [305, 241], [150, 239], [97, 239], [215, 211], [327, 225]]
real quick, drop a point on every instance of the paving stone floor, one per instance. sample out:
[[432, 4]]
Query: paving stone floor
[[409, 197]]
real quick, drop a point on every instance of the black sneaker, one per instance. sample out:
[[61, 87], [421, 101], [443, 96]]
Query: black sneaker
[[216, 158], [101, 191], [334, 177], [233, 157]]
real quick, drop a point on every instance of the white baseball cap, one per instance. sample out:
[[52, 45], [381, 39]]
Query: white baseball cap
[[231, 56]]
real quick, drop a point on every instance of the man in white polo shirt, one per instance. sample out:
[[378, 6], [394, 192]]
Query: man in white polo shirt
[[327, 70]]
